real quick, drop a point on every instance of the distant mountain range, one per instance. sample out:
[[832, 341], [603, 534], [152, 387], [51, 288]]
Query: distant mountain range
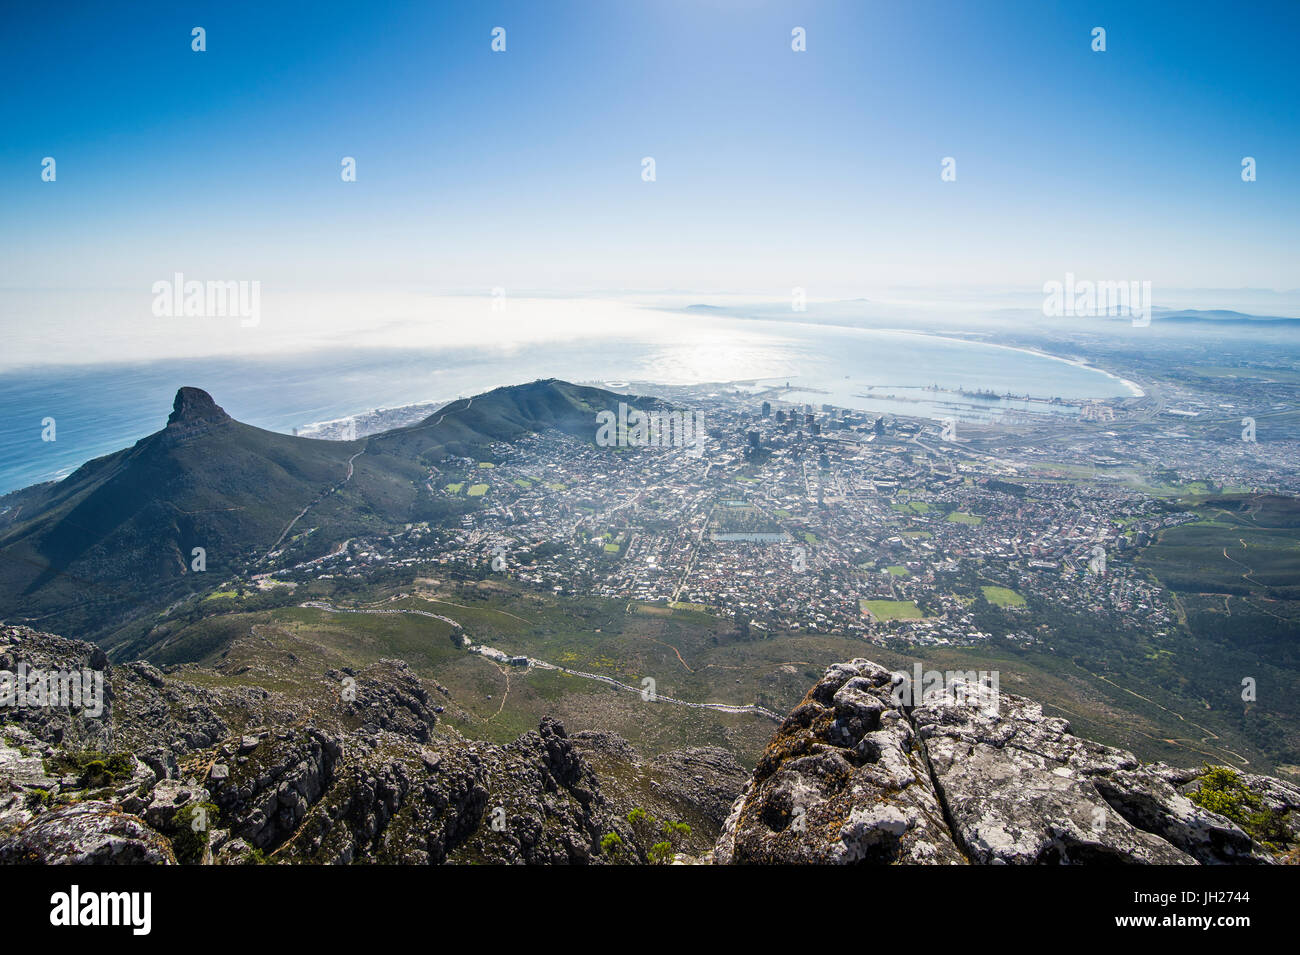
[[1219, 316], [118, 537]]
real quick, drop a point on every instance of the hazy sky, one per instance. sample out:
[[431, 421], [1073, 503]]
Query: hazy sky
[[774, 168]]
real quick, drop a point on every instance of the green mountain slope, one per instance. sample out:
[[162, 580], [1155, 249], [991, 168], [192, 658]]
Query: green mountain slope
[[119, 533], [116, 540]]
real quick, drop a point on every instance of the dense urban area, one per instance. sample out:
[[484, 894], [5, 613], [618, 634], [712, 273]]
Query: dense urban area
[[794, 516]]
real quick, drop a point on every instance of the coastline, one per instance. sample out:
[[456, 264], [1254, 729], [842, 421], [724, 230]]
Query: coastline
[[142, 391], [1137, 390], [325, 428]]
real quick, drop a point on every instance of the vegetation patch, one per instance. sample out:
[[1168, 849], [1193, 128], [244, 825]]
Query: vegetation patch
[[892, 609], [93, 770], [1003, 597], [189, 831], [1221, 790]]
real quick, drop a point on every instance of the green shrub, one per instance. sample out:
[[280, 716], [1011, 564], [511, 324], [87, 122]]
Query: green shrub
[[1223, 791], [611, 843], [121, 765], [661, 853], [676, 831], [93, 770], [95, 774], [189, 830]]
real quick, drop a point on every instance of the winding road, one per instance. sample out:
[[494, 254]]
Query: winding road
[[348, 477], [544, 665]]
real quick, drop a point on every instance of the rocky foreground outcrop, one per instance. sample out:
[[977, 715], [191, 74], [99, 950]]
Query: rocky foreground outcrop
[[200, 766], [259, 764], [853, 776]]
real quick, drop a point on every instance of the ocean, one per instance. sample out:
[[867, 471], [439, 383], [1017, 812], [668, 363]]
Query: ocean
[[99, 408]]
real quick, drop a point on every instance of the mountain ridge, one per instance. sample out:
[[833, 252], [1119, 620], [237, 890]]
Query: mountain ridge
[[133, 530]]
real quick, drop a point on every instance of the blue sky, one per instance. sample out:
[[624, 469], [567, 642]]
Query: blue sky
[[774, 168]]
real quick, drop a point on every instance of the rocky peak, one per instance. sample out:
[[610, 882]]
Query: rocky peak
[[304, 773], [195, 406], [853, 776]]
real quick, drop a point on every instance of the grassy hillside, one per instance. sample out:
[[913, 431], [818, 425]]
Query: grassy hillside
[[690, 655], [118, 535], [114, 542], [1236, 578]]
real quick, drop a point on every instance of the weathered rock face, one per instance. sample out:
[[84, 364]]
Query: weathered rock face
[[313, 774], [533, 801], [707, 776], [1021, 789], [267, 788], [853, 777], [842, 781], [695, 786], [86, 833], [23, 648], [391, 698], [167, 798], [194, 406], [324, 776], [544, 803]]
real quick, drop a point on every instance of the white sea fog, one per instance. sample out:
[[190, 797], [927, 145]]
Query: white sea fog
[[322, 357]]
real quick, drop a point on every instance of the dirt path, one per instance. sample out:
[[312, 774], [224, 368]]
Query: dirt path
[[670, 647], [1209, 738], [448, 603], [320, 497], [505, 671], [348, 477], [543, 665]]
